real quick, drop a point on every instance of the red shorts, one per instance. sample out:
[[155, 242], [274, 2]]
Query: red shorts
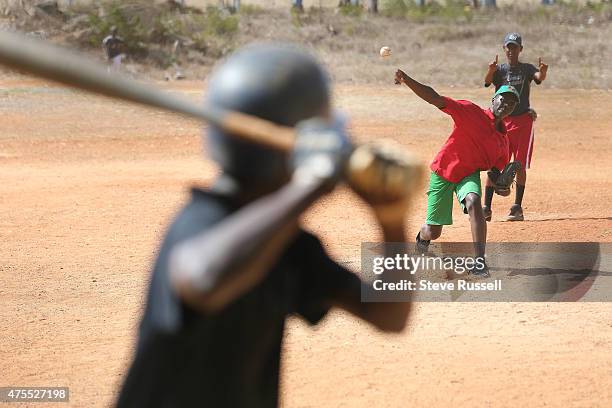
[[520, 136]]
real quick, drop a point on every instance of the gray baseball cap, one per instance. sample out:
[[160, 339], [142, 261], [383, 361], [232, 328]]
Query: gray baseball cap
[[513, 38]]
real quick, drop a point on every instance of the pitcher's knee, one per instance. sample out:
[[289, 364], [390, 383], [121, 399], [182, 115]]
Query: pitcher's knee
[[472, 203]]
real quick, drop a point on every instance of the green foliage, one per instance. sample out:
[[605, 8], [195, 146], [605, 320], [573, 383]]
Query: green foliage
[[296, 17], [218, 22], [394, 8], [453, 10], [595, 6], [251, 10], [166, 28], [150, 31], [351, 10], [129, 26]]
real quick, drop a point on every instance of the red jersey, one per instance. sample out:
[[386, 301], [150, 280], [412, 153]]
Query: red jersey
[[474, 144]]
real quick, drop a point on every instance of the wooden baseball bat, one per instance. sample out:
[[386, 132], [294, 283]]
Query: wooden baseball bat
[[55, 63], [58, 64]]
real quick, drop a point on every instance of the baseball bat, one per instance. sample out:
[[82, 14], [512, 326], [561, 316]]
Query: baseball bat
[[58, 64], [55, 63]]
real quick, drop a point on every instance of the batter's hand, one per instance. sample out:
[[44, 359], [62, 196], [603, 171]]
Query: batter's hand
[[386, 178], [321, 150], [542, 66], [400, 77]]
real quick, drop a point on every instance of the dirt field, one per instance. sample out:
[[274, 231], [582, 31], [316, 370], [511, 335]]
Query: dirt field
[[89, 185]]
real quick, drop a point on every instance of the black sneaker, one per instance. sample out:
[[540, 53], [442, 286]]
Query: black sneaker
[[481, 272], [516, 213], [421, 246]]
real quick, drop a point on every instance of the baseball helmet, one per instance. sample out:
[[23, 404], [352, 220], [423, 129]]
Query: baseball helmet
[[278, 83]]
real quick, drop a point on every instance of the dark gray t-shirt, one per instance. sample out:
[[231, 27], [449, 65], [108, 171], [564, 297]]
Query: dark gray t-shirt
[[520, 77], [113, 45]]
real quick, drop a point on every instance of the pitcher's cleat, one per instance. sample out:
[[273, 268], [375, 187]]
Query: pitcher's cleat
[[421, 246], [516, 213], [481, 272]]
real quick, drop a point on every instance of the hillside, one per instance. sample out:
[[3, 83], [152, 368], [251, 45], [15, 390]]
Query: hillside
[[446, 45]]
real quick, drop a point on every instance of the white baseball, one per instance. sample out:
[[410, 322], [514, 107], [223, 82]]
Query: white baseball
[[385, 52]]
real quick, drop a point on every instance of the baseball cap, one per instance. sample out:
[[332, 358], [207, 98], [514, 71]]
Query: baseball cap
[[513, 38], [508, 89]]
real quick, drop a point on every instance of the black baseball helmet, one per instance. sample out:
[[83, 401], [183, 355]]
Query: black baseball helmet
[[279, 83]]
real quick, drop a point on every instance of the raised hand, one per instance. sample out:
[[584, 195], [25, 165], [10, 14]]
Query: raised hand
[[400, 77], [493, 64], [320, 150]]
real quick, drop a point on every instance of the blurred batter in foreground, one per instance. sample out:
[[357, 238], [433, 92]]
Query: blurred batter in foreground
[[235, 263]]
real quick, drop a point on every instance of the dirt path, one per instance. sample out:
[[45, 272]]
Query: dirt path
[[88, 186]]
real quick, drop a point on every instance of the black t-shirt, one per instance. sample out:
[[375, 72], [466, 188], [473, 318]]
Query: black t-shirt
[[229, 359], [113, 45], [520, 77]]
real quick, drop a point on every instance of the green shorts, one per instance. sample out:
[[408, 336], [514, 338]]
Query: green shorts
[[440, 197]]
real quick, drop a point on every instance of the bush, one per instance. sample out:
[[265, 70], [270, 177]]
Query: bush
[[394, 8], [455, 10], [129, 26], [351, 10], [167, 28], [219, 22], [150, 31], [251, 10]]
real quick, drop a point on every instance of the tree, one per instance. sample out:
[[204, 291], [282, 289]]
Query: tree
[[372, 6]]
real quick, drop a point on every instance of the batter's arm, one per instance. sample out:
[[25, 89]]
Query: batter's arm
[[427, 93], [386, 316], [217, 266]]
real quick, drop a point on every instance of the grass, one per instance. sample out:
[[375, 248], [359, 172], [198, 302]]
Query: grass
[[351, 10]]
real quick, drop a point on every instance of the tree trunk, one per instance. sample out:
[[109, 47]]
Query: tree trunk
[[372, 6]]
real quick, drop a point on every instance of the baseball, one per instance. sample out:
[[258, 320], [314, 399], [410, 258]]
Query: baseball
[[385, 52]]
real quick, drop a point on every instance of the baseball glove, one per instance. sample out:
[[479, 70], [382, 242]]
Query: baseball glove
[[502, 180]]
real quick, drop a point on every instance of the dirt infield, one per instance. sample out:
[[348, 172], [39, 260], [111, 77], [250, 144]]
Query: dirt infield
[[89, 185]]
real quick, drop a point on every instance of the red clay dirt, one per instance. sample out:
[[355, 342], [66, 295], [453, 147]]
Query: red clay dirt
[[90, 184]]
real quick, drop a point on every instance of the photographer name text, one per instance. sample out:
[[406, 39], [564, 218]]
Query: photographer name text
[[429, 286]]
